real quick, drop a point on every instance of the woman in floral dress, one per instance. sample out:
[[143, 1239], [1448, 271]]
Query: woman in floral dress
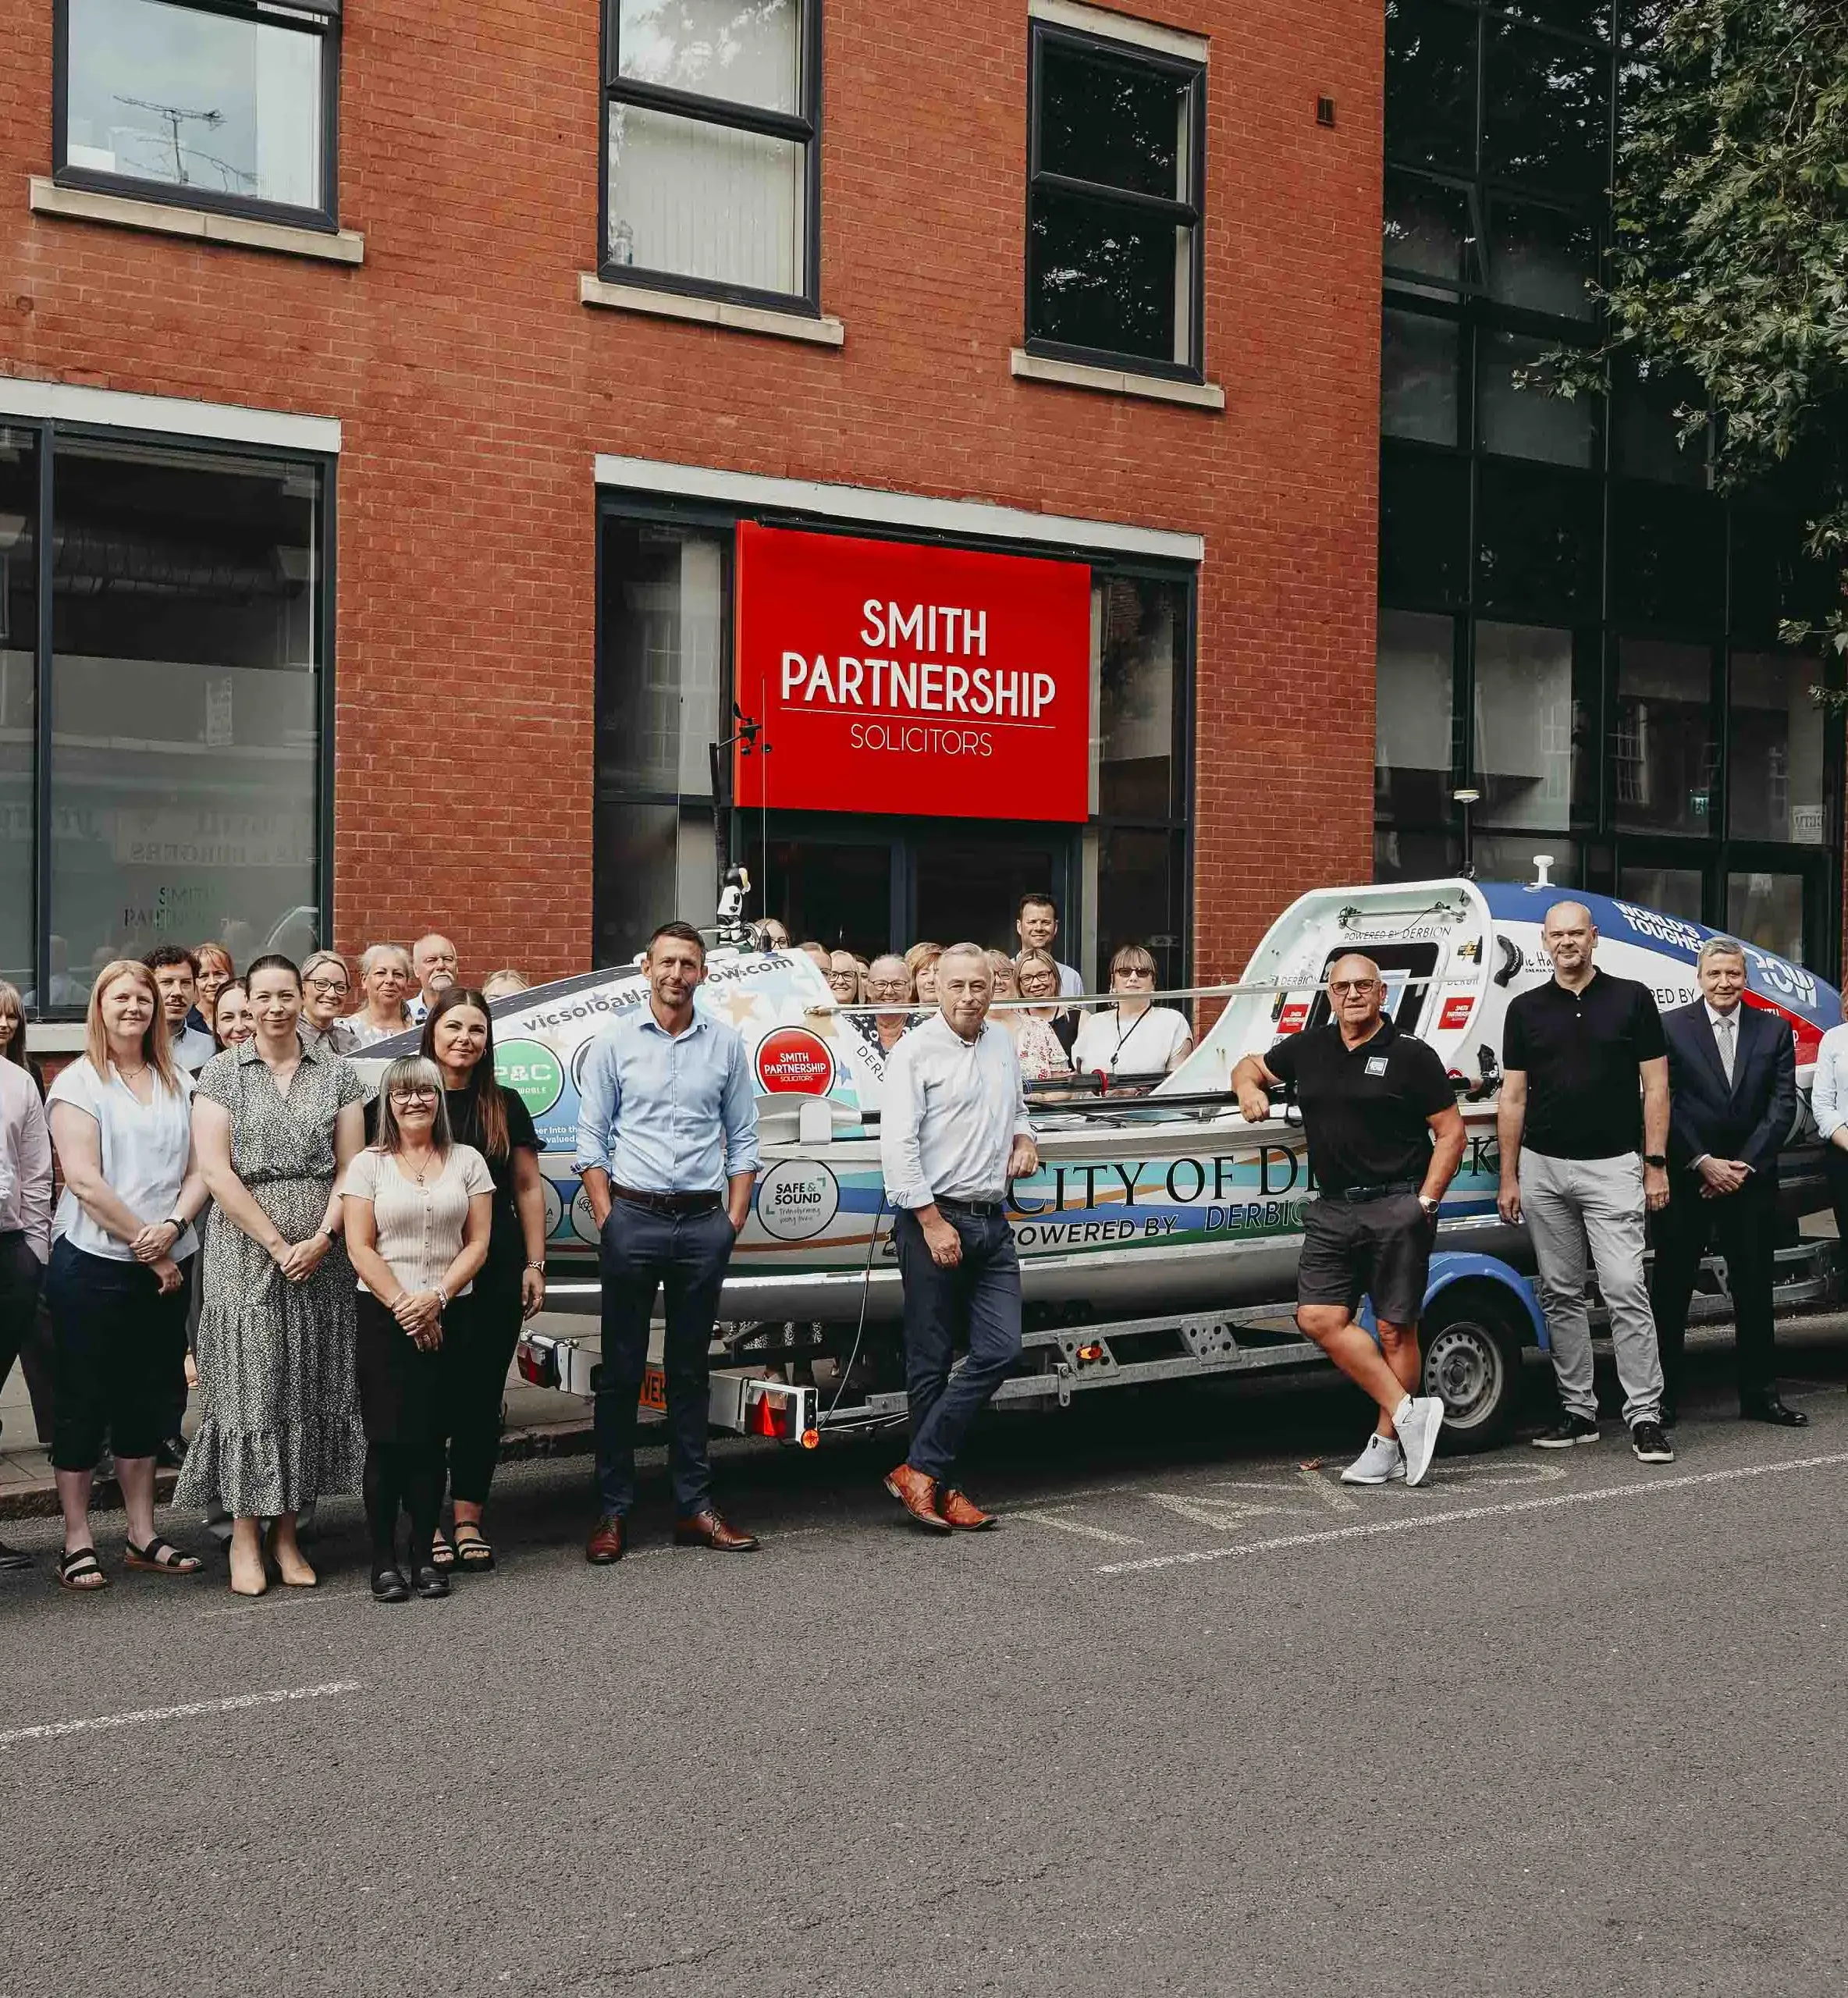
[[275, 1125]]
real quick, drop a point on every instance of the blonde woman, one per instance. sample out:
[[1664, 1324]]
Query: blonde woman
[[1038, 1046], [920, 961], [121, 1123], [419, 1210], [326, 992], [1133, 1037], [384, 979], [503, 984], [1037, 972], [215, 971]]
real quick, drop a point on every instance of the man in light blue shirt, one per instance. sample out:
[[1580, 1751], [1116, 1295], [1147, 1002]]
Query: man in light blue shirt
[[667, 1152]]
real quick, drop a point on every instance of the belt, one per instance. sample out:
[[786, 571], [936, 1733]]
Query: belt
[[984, 1210], [667, 1204], [1355, 1195]]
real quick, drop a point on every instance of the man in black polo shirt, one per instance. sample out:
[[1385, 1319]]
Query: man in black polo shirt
[[1582, 1157], [1373, 1100]]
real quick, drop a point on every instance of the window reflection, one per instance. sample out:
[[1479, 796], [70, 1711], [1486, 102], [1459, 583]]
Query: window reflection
[[743, 51], [1533, 731], [187, 98], [1541, 259], [1767, 910], [1527, 420], [1413, 695], [1430, 86], [1424, 514], [19, 649], [1429, 232], [1418, 377], [1546, 112], [1140, 630], [1666, 758], [1540, 535], [1114, 124], [185, 705], [1108, 278], [1774, 767], [1673, 890]]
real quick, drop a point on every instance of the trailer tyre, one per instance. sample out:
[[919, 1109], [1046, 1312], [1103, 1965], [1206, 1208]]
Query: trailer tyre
[[1471, 1342]]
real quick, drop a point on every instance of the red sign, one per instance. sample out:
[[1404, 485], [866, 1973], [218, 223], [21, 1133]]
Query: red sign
[[892, 677], [1291, 1019], [1457, 1009], [792, 1061]]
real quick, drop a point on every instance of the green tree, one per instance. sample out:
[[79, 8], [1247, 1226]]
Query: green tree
[[1729, 267]]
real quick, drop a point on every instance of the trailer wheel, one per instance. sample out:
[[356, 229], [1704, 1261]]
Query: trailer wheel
[[1471, 1342]]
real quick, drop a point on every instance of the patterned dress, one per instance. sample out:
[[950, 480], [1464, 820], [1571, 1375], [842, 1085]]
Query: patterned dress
[[276, 1377]]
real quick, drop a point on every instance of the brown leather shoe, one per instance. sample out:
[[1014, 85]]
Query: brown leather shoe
[[605, 1544], [707, 1529], [917, 1494], [956, 1507]]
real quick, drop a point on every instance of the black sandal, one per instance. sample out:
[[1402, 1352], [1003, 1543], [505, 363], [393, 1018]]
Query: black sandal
[[80, 1572], [475, 1555], [161, 1557]]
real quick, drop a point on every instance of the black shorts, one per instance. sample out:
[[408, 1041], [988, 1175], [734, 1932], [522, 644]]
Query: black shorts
[[1376, 1249]]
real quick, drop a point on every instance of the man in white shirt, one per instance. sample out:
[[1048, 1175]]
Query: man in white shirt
[[1037, 924], [953, 1133], [176, 978], [25, 1221], [435, 964]]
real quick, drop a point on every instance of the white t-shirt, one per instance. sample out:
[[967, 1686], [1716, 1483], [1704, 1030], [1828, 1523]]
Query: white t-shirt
[[1144, 1046], [145, 1147]]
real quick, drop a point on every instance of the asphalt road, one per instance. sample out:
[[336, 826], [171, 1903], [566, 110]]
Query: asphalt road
[[1197, 1720]]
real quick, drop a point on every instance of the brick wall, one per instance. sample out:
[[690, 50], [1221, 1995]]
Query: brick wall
[[474, 389]]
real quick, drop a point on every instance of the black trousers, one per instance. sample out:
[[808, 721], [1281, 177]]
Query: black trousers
[[479, 1334], [401, 1404], [22, 1336], [1743, 1228], [644, 1253]]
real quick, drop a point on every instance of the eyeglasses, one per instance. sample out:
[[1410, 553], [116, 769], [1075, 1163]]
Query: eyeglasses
[[886, 988], [327, 985], [417, 1092], [1338, 986]]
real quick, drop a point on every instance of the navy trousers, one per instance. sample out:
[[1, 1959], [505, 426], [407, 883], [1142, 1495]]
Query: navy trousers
[[977, 1303], [642, 1252]]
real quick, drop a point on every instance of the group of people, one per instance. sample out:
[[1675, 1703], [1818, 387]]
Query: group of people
[[1614, 1120], [343, 1276], [1030, 994], [359, 1274]]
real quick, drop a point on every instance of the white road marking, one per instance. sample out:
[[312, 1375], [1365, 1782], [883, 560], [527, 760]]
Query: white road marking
[[1054, 1515], [1368, 1529], [53, 1729], [1331, 1496], [1222, 1515]]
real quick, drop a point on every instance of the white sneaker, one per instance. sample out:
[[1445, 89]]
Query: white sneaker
[[1379, 1463], [1419, 1419]]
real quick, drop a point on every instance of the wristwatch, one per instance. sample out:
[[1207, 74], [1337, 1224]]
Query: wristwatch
[[174, 1222], [1655, 1158]]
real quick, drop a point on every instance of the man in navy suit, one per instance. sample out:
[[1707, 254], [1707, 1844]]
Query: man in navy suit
[[1732, 1091]]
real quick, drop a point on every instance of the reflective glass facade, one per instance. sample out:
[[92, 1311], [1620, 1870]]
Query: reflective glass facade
[[1572, 624]]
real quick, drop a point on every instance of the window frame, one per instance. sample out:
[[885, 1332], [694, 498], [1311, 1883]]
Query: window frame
[[803, 127], [48, 433], [325, 217], [1192, 214]]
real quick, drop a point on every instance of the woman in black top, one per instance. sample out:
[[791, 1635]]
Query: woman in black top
[[481, 1329]]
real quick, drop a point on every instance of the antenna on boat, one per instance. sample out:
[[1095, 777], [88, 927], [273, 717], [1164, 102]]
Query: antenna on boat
[[1542, 875]]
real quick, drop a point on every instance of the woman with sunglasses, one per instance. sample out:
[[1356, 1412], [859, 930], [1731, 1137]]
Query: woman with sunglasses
[[1132, 1037], [419, 1208], [277, 1122], [482, 1329]]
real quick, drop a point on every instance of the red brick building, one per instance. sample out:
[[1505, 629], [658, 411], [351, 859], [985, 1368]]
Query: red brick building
[[340, 358]]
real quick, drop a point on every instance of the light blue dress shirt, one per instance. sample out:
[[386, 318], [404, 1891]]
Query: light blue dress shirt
[[667, 1113], [1828, 1085]]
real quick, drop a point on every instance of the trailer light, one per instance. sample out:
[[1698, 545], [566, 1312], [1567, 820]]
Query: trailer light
[[811, 1439], [1089, 1355], [538, 1367]]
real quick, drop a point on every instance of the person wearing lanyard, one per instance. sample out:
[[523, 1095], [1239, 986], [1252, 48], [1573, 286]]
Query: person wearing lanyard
[[1385, 1139], [667, 1152], [1132, 1037], [953, 1134]]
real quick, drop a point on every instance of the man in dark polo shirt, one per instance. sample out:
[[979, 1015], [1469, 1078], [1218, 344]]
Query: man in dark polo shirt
[[1582, 1128], [1385, 1139]]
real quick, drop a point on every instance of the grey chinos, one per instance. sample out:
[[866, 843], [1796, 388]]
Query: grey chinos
[[1577, 1205]]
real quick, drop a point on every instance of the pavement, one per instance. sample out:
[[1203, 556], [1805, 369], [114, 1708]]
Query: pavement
[[1197, 1719]]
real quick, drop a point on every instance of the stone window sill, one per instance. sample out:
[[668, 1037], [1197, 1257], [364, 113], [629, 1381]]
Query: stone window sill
[[1116, 381], [592, 290], [346, 246]]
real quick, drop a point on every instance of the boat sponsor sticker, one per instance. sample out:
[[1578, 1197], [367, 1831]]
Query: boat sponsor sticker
[[792, 1061], [797, 1199]]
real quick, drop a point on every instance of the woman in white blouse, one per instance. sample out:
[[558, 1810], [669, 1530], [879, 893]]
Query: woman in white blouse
[[1828, 1103], [1132, 1037], [121, 1119], [419, 1210]]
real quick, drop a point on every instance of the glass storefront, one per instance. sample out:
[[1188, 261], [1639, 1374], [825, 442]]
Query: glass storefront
[[1558, 570], [856, 879], [181, 672]]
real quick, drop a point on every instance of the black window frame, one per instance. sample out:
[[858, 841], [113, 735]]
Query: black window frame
[[803, 127], [299, 14], [1192, 214], [48, 433]]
